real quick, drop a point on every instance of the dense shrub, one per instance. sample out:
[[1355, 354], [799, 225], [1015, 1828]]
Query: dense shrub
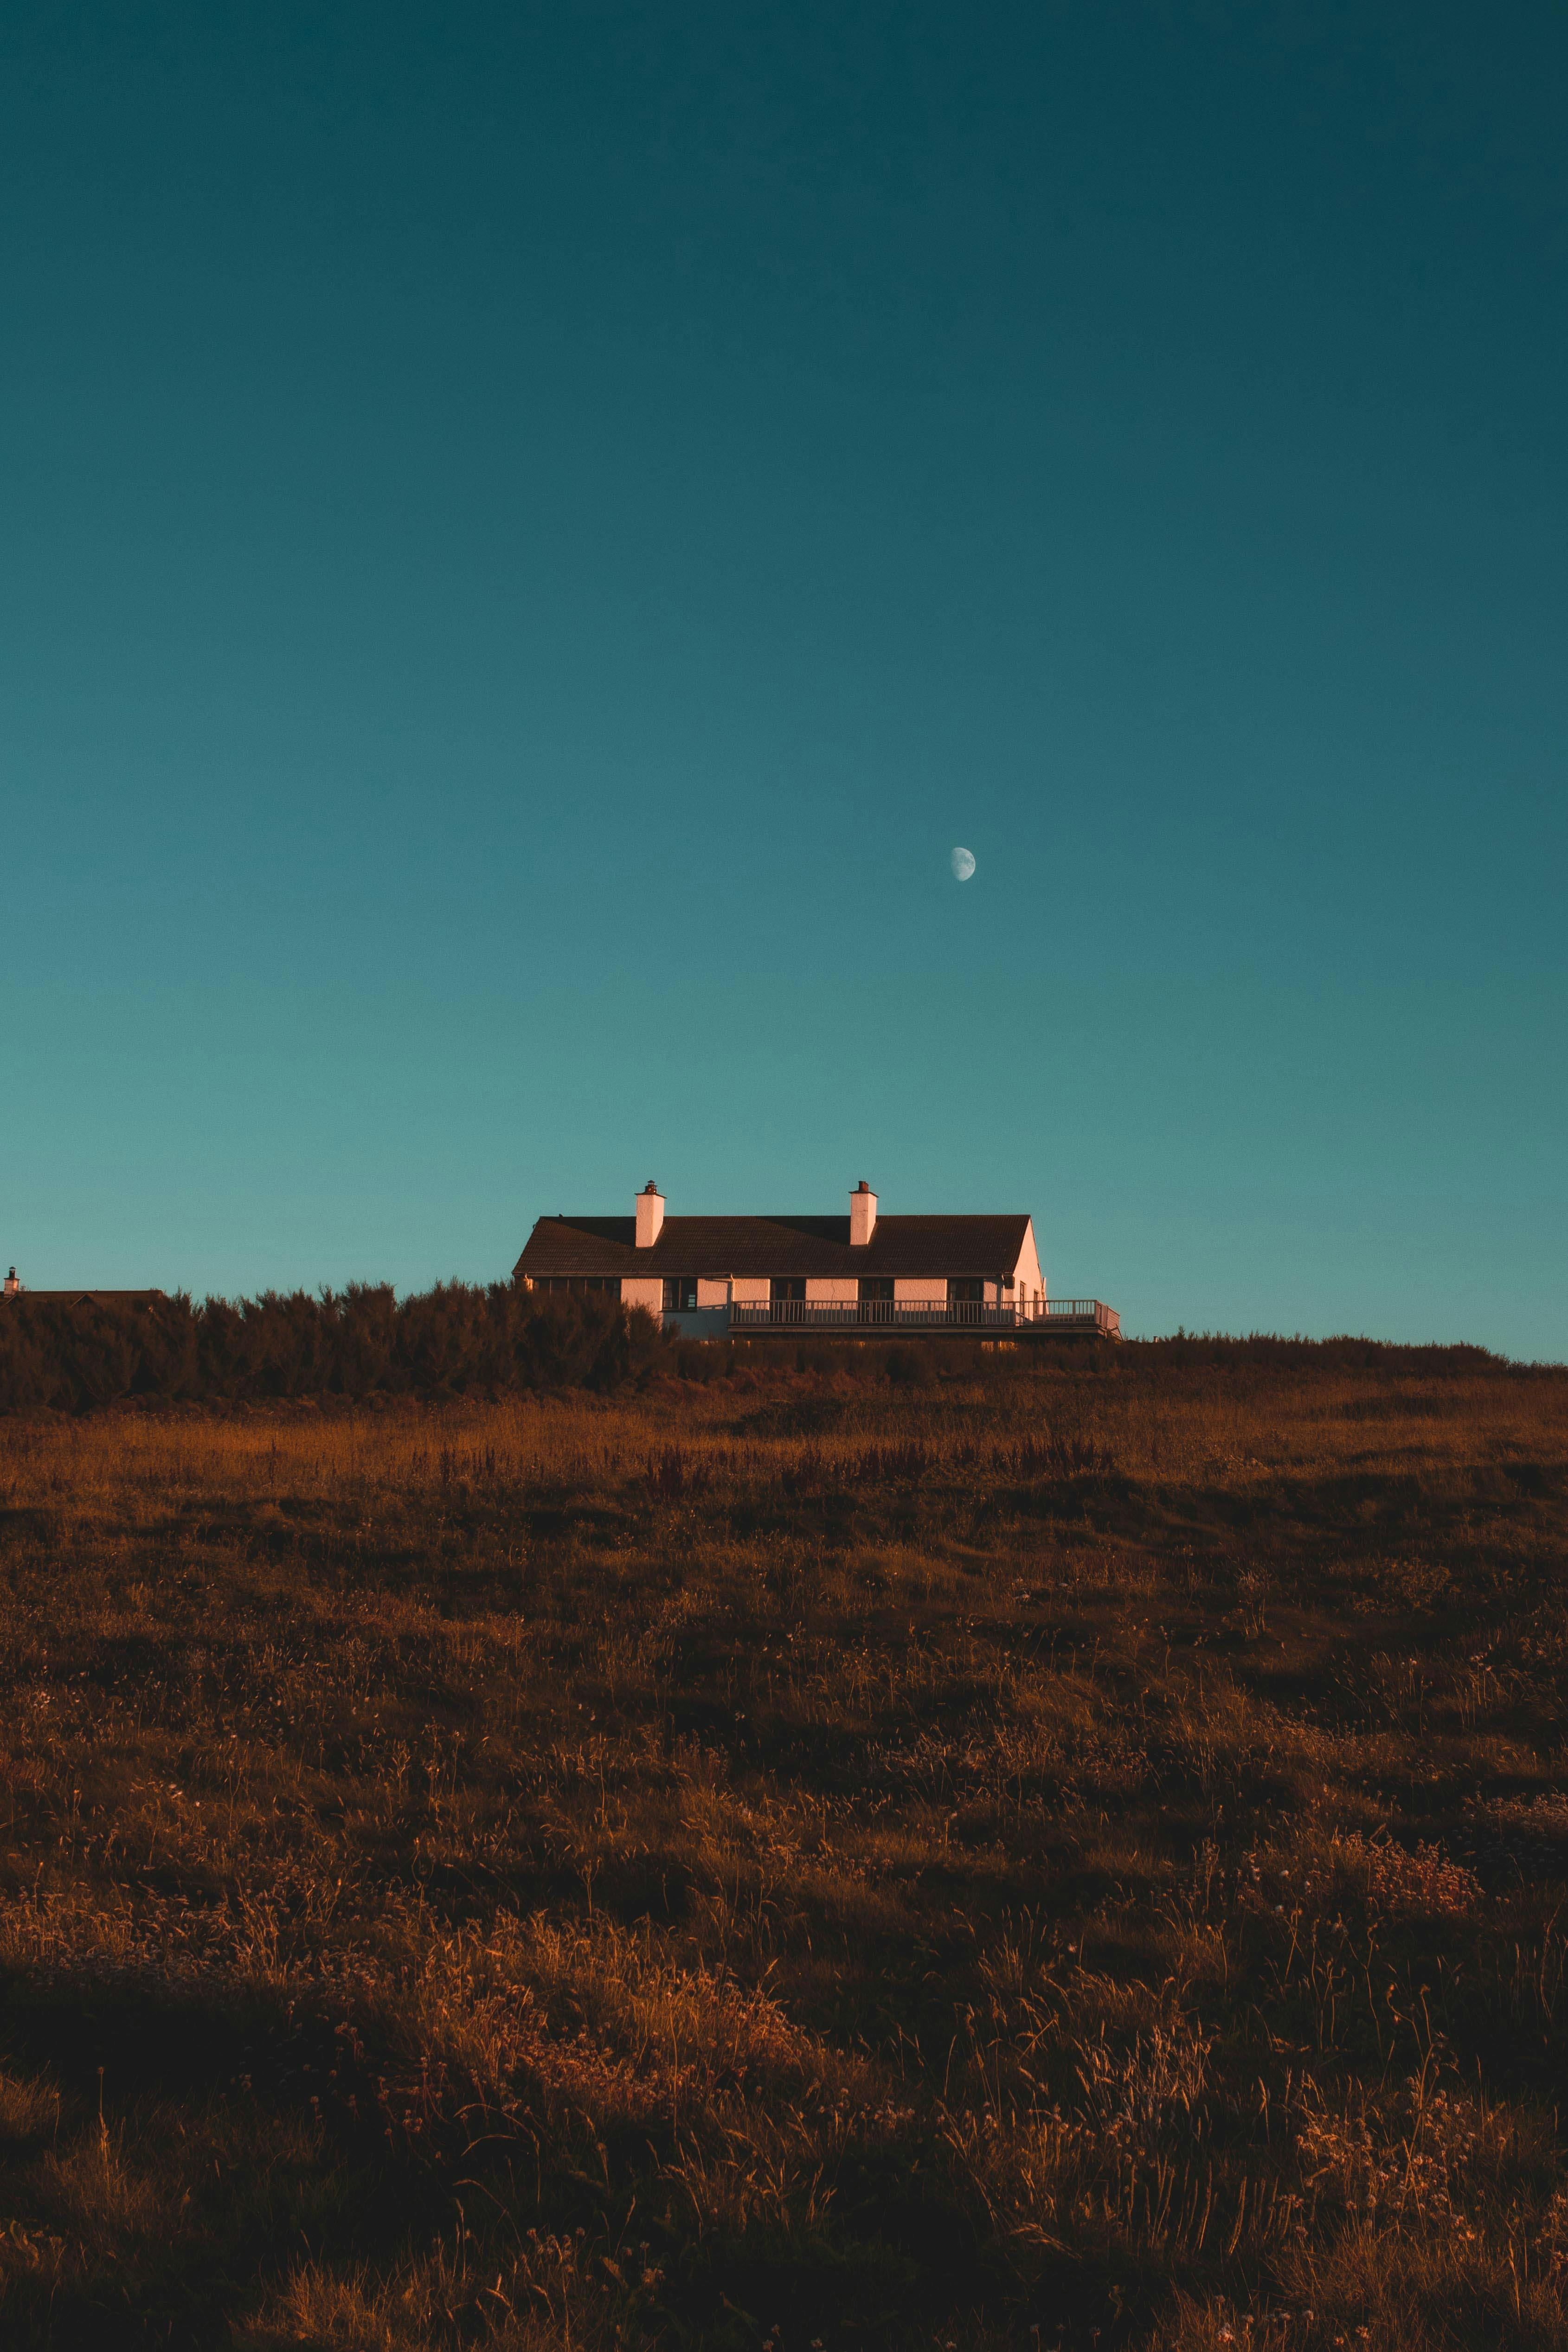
[[458, 1338], [1270, 1353]]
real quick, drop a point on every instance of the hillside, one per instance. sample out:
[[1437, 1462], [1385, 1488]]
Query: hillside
[[1069, 1852]]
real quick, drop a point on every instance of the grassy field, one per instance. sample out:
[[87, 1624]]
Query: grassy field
[[1075, 1854]]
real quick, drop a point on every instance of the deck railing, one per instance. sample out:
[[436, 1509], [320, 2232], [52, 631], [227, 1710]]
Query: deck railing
[[923, 1314], [1075, 1310]]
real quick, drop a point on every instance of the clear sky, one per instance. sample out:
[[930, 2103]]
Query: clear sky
[[527, 533]]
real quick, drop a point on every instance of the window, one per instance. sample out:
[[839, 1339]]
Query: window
[[966, 1297], [786, 1297], [876, 1298], [579, 1286], [679, 1294]]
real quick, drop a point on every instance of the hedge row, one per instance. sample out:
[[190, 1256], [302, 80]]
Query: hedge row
[[362, 1341]]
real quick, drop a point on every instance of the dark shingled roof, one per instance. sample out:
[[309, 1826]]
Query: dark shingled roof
[[717, 1246], [85, 1297]]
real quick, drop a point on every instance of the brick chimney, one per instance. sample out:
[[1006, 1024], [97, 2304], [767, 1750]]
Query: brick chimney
[[862, 1214], [651, 1214]]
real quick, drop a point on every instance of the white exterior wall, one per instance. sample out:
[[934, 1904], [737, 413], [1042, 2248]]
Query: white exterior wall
[[1029, 1282], [714, 1291], [710, 1319]]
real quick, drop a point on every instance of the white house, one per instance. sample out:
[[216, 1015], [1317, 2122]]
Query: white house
[[716, 1277]]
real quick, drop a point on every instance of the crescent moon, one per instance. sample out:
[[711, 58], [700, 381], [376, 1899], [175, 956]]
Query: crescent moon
[[963, 864]]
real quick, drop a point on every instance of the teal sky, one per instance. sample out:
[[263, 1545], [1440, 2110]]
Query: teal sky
[[526, 535]]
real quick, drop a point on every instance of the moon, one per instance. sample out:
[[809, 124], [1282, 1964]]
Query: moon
[[963, 864]]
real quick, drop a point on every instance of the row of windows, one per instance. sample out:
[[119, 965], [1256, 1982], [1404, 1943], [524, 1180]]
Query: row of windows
[[681, 1290]]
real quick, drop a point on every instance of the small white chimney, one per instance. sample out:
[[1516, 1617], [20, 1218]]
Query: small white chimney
[[12, 1285], [862, 1215], [651, 1214]]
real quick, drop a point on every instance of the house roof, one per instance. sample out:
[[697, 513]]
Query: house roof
[[85, 1297], [717, 1246]]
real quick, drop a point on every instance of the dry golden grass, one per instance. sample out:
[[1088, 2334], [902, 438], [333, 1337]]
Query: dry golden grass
[[1076, 1854]]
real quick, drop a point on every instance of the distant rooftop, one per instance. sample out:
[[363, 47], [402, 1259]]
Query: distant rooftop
[[15, 1288]]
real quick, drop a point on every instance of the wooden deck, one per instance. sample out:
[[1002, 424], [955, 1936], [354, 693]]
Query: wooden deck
[[875, 1318]]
